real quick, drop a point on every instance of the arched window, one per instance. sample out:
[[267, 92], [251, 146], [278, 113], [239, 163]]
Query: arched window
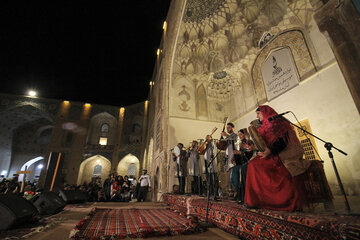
[[97, 170], [132, 169]]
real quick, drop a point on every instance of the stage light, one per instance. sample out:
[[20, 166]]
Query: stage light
[[158, 52], [3, 172], [32, 93], [67, 102], [40, 166], [87, 105]]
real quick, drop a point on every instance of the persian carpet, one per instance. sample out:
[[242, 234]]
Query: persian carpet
[[265, 224], [120, 223]]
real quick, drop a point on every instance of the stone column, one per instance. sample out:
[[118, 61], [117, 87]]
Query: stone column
[[55, 144], [115, 157], [143, 139], [77, 148], [340, 23]]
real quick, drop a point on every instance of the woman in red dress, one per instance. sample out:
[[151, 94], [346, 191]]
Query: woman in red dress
[[269, 184]]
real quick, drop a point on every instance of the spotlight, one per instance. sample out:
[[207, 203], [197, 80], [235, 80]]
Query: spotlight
[[32, 93], [40, 166]]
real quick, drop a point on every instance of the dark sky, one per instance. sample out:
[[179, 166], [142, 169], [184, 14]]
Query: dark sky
[[77, 50]]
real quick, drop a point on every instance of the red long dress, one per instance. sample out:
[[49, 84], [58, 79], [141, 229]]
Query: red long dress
[[269, 185]]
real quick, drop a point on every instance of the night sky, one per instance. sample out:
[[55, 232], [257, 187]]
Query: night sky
[[101, 52]]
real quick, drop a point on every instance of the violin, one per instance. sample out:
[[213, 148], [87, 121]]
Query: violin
[[202, 148]]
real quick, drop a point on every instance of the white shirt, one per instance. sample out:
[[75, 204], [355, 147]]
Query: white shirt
[[145, 180], [177, 154], [229, 150]]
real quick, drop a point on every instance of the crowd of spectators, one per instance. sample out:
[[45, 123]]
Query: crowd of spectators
[[115, 188]]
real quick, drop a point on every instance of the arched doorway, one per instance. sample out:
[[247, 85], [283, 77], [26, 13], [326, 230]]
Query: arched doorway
[[129, 165], [94, 167], [26, 128], [35, 165]]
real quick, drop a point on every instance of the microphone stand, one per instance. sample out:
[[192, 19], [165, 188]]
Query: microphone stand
[[329, 146], [208, 189]]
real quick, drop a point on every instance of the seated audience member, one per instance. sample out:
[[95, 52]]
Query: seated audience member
[[125, 190], [115, 192], [101, 195], [107, 186]]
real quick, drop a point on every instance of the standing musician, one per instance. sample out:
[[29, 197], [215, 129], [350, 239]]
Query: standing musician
[[238, 160], [250, 153], [194, 167], [179, 156], [232, 141], [212, 169]]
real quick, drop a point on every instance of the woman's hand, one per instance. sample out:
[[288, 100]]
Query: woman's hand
[[264, 154]]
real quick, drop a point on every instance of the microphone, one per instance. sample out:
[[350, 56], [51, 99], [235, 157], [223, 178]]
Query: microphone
[[278, 116]]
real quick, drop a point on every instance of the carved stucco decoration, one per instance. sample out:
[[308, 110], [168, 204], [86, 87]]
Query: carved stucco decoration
[[198, 10], [217, 36], [295, 40], [221, 86], [184, 96]]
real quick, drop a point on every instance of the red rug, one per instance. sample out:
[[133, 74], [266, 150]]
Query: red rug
[[120, 223], [264, 224]]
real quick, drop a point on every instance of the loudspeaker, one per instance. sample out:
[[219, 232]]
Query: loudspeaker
[[54, 176], [15, 210], [48, 203], [73, 196]]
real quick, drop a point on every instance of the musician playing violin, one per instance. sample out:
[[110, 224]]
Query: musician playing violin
[[233, 142], [194, 166]]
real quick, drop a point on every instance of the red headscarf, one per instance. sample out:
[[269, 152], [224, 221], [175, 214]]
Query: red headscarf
[[272, 130]]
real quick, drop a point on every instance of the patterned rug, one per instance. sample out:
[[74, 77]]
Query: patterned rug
[[120, 223], [265, 224]]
